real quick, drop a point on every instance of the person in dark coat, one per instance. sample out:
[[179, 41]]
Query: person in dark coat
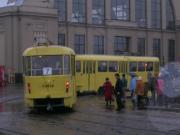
[[124, 85], [118, 92], [108, 92], [152, 83], [124, 82]]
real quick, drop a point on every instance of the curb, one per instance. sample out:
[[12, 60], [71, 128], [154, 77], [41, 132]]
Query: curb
[[9, 98], [164, 109]]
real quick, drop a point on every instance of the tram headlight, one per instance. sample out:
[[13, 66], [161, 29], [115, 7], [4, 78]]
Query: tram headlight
[[146, 65], [67, 86], [29, 88]]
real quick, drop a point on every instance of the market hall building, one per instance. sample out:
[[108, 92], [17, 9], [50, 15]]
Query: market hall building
[[115, 27]]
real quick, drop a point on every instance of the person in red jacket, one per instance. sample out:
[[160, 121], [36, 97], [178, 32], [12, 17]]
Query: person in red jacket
[[108, 92], [140, 92]]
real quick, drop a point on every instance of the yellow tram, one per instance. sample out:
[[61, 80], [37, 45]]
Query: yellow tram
[[91, 70], [49, 76]]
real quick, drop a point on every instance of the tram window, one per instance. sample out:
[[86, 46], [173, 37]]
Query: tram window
[[94, 67], [102, 66], [27, 66], [47, 65], [58, 67], [37, 65], [90, 67], [113, 66], [67, 64], [133, 66], [73, 64], [122, 67], [87, 71], [149, 66], [78, 66], [156, 69], [84, 67], [141, 66]]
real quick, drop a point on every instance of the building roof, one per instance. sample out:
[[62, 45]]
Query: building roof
[[7, 3]]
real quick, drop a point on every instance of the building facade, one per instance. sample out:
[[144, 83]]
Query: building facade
[[119, 27], [115, 27]]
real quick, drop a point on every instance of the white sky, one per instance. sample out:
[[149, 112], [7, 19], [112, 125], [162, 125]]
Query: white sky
[[4, 3]]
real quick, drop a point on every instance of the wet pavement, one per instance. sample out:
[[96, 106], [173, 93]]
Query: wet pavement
[[90, 117]]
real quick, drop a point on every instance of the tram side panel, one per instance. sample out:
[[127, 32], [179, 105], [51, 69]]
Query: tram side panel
[[107, 68]]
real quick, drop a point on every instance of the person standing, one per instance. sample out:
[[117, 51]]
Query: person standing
[[118, 92], [124, 82], [153, 83], [124, 85], [132, 89], [160, 90], [140, 93], [108, 92]]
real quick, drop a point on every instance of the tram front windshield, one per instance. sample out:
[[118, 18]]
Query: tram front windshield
[[46, 65]]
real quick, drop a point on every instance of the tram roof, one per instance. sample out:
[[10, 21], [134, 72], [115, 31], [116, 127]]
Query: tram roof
[[99, 57], [136, 58], [47, 50], [115, 58]]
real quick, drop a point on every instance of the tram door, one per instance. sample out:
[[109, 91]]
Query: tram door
[[84, 77], [90, 68], [81, 76], [123, 69]]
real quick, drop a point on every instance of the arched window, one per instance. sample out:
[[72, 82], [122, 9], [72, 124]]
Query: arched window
[[170, 18]]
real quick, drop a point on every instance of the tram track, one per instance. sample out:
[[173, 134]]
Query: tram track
[[121, 125], [91, 123], [59, 122], [4, 131], [138, 112], [88, 118], [129, 115], [71, 121], [79, 124], [9, 98]]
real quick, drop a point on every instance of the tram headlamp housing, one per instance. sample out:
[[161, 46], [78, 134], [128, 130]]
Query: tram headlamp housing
[[29, 88], [67, 86]]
